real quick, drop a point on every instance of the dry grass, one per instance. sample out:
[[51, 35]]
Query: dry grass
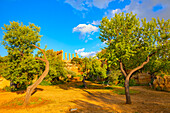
[[98, 99]]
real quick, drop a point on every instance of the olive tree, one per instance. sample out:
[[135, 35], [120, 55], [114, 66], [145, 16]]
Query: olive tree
[[131, 44], [20, 41]]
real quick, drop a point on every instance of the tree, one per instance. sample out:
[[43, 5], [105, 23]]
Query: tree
[[20, 42], [97, 69], [21, 65], [131, 44], [3, 62], [159, 64], [31, 88], [86, 65], [57, 66]]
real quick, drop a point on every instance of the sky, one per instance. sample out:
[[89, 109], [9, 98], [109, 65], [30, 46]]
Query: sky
[[72, 25]]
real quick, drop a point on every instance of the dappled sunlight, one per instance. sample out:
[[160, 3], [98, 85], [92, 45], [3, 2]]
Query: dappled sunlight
[[91, 100]]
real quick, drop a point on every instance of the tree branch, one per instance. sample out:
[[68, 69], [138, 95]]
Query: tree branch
[[139, 67], [31, 88], [41, 51], [40, 59], [121, 67]]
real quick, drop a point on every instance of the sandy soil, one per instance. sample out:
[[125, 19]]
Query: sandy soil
[[63, 98]]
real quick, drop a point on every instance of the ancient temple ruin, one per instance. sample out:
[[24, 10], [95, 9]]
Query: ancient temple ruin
[[66, 58]]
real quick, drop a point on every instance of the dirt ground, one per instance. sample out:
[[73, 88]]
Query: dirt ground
[[63, 98]]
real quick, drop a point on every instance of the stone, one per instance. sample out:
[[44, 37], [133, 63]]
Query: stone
[[4, 82], [73, 109]]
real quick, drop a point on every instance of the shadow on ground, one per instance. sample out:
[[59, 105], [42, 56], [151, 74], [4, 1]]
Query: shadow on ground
[[79, 85], [108, 102]]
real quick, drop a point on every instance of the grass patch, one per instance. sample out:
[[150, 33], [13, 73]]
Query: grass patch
[[45, 83], [122, 91], [94, 87], [18, 102]]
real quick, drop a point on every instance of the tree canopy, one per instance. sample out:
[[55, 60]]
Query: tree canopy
[[131, 43], [18, 40]]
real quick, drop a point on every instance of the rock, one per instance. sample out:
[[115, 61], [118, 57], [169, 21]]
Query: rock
[[162, 82], [73, 109], [4, 82]]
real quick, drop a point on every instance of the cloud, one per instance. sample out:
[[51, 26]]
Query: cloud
[[85, 54], [104, 42], [101, 3], [83, 28], [79, 50], [145, 8], [97, 22], [111, 13], [85, 4], [77, 4], [90, 39]]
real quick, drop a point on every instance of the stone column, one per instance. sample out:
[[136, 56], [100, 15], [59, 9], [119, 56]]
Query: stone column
[[69, 57], [77, 56], [65, 56], [62, 55], [72, 56]]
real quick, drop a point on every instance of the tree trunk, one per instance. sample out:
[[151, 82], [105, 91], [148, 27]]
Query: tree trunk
[[97, 78], [128, 100], [127, 76], [31, 88], [84, 83]]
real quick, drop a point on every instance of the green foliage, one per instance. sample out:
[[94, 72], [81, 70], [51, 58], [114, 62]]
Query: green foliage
[[114, 76], [56, 67], [97, 69], [121, 81], [160, 63], [7, 89], [21, 65], [45, 83], [72, 73], [122, 91], [77, 61], [93, 68], [130, 42]]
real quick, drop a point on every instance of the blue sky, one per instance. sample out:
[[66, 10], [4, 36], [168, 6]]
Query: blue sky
[[72, 25]]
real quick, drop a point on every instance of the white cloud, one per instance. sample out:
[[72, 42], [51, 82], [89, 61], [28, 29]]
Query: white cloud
[[83, 28], [144, 8], [85, 4], [97, 22], [79, 50], [86, 41], [101, 3], [115, 11], [90, 39], [111, 13], [85, 54], [77, 4], [104, 42]]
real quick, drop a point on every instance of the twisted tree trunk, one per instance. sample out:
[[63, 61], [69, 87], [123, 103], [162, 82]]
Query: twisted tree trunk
[[31, 88], [127, 78], [84, 82]]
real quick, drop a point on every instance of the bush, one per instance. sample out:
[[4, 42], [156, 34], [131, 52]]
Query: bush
[[45, 83], [7, 89], [121, 81]]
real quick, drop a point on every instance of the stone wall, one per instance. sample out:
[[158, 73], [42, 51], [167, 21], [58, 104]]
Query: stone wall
[[4, 82], [142, 78], [162, 83]]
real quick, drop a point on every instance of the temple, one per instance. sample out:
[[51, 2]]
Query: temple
[[69, 55]]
